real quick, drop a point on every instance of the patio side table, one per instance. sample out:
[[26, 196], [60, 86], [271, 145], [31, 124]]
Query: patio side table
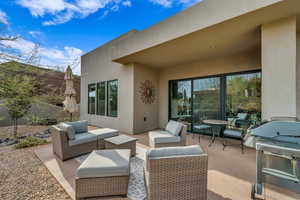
[[217, 128], [121, 142]]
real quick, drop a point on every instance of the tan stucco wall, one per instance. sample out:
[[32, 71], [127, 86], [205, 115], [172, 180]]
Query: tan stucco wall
[[142, 110], [298, 75], [242, 62], [97, 66], [279, 68]]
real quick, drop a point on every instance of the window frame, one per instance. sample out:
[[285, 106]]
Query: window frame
[[108, 113], [97, 98], [89, 109]]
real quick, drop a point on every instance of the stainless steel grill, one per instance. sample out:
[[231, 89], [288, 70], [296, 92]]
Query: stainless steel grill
[[278, 155]]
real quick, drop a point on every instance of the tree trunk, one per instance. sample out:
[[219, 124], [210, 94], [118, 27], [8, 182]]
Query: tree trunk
[[15, 125]]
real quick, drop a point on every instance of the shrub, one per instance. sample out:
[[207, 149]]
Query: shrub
[[30, 141], [36, 120]]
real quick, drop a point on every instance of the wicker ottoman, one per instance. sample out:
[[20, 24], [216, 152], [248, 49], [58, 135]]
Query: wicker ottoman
[[103, 173], [121, 142]]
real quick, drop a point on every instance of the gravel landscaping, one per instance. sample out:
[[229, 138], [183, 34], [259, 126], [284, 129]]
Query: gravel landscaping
[[23, 176]]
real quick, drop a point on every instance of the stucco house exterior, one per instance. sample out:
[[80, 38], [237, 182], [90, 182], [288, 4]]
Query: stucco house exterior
[[212, 60]]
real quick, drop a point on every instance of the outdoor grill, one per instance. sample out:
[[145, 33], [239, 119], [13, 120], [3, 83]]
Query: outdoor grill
[[278, 155]]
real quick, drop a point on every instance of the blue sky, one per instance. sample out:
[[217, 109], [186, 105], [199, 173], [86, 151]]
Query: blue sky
[[65, 29]]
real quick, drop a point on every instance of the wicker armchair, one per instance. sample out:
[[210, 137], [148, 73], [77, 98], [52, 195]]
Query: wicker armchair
[[176, 173], [64, 151], [169, 137]]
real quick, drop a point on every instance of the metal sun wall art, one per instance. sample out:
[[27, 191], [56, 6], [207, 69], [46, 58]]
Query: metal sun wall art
[[147, 92]]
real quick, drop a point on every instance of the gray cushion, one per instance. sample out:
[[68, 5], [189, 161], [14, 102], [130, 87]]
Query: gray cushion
[[159, 137], [79, 126], [242, 116], [167, 152], [233, 133], [104, 132], [202, 126], [121, 139], [105, 163], [174, 127], [83, 138], [68, 129]]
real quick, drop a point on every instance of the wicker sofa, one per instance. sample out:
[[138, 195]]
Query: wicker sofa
[[173, 173], [173, 135], [72, 139]]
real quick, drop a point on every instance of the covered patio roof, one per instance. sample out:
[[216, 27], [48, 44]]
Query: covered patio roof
[[222, 37]]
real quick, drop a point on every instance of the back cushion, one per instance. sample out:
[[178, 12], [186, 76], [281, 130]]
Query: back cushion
[[79, 126], [174, 127], [68, 129], [242, 116]]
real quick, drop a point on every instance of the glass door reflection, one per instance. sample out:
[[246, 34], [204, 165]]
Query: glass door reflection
[[181, 101], [206, 101]]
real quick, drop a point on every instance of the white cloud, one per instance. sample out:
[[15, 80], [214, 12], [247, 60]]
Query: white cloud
[[35, 34], [49, 57], [23, 46], [164, 3], [3, 18], [41, 7], [126, 3], [62, 11], [170, 3]]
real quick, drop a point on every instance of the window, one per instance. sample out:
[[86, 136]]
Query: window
[[101, 97], [112, 98], [244, 95], [91, 98]]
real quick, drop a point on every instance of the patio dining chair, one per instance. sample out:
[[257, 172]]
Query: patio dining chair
[[240, 116], [237, 131], [202, 127]]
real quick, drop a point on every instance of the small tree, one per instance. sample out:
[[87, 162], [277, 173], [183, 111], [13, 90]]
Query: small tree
[[17, 93]]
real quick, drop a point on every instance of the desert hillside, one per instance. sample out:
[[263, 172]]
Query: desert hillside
[[51, 83], [49, 92]]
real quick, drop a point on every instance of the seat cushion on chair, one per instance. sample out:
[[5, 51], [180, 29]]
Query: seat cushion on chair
[[83, 138], [79, 126], [174, 127], [105, 163], [233, 133], [68, 129], [167, 152], [202, 126], [104, 133], [159, 137]]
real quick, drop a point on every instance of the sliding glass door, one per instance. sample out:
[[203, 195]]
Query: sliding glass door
[[218, 97], [206, 100], [181, 101]]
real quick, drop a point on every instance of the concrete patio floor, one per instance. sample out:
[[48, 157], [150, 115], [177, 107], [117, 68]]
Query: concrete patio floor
[[230, 174]]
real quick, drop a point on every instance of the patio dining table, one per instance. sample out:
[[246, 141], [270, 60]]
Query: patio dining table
[[217, 127]]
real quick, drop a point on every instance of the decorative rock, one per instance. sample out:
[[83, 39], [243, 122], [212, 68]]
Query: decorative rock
[[8, 142]]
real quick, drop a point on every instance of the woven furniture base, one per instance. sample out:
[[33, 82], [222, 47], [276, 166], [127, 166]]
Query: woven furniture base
[[104, 186], [172, 144], [177, 178]]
